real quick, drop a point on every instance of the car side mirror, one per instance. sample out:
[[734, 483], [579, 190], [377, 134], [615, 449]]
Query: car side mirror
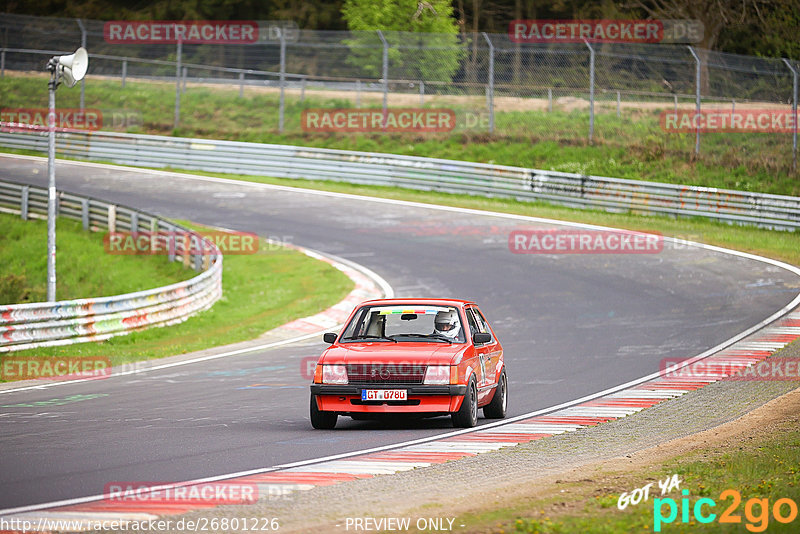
[[479, 338], [329, 337]]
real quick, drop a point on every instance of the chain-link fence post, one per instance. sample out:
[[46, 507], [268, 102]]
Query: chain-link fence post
[[124, 71], [3, 63], [179, 51], [283, 81], [83, 44], [697, 99], [794, 113], [385, 75], [591, 90], [490, 83]]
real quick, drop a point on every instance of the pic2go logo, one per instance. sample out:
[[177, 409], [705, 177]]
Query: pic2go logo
[[756, 511]]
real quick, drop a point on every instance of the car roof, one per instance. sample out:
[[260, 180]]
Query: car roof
[[425, 302]]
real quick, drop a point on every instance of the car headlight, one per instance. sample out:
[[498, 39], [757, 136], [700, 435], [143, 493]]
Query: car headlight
[[437, 374], [334, 374]]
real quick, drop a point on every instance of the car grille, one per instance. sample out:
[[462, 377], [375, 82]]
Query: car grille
[[374, 373]]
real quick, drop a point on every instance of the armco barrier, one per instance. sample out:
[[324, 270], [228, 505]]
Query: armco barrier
[[613, 194], [25, 326]]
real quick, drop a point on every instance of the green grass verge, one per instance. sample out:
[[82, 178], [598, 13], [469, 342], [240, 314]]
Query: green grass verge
[[83, 269], [260, 291], [632, 146], [758, 469]]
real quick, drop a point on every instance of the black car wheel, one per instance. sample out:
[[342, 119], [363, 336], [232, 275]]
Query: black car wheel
[[467, 415], [319, 419], [496, 409]]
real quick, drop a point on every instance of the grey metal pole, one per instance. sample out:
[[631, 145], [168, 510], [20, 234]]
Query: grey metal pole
[[184, 75], [697, 98], [358, 93], [591, 89], [83, 44], [303, 89], [421, 93], [283, 81], [794, 113], [618, 103], [124, 71], [178, 85], [51, 191], [23, 205], [385, 76], [241, 84], [549, 99], [490, 99], [3, 63]]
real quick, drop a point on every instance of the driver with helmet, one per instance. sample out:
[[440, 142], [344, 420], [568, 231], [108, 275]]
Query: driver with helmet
[[446, 324]]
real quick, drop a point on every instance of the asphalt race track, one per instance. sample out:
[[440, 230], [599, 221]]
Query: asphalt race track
[[571, 325]]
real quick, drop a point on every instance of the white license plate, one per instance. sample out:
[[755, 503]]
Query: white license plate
[[384, 395]]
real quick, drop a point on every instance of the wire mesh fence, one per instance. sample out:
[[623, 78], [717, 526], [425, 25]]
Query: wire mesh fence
[[609, 93]]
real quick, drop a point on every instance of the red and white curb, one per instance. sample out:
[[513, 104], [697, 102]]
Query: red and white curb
[[368, 285], [303, 476]]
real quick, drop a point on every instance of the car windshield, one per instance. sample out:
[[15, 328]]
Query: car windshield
[[406, 323]]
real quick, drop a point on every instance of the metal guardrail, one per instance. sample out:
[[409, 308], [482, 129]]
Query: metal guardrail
[[574, 190], [40, 324]]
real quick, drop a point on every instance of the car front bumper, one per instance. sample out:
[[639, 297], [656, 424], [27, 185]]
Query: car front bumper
[[420, 398]]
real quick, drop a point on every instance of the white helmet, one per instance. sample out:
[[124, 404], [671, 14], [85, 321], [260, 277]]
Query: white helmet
[[446, 323]]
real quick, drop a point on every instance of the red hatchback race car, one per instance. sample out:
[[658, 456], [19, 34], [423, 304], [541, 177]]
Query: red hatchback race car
[[419, 356]]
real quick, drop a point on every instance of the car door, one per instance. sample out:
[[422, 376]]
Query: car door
[[485, 354]]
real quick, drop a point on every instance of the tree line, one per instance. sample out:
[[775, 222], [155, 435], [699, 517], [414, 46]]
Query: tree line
[[765, 28]]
